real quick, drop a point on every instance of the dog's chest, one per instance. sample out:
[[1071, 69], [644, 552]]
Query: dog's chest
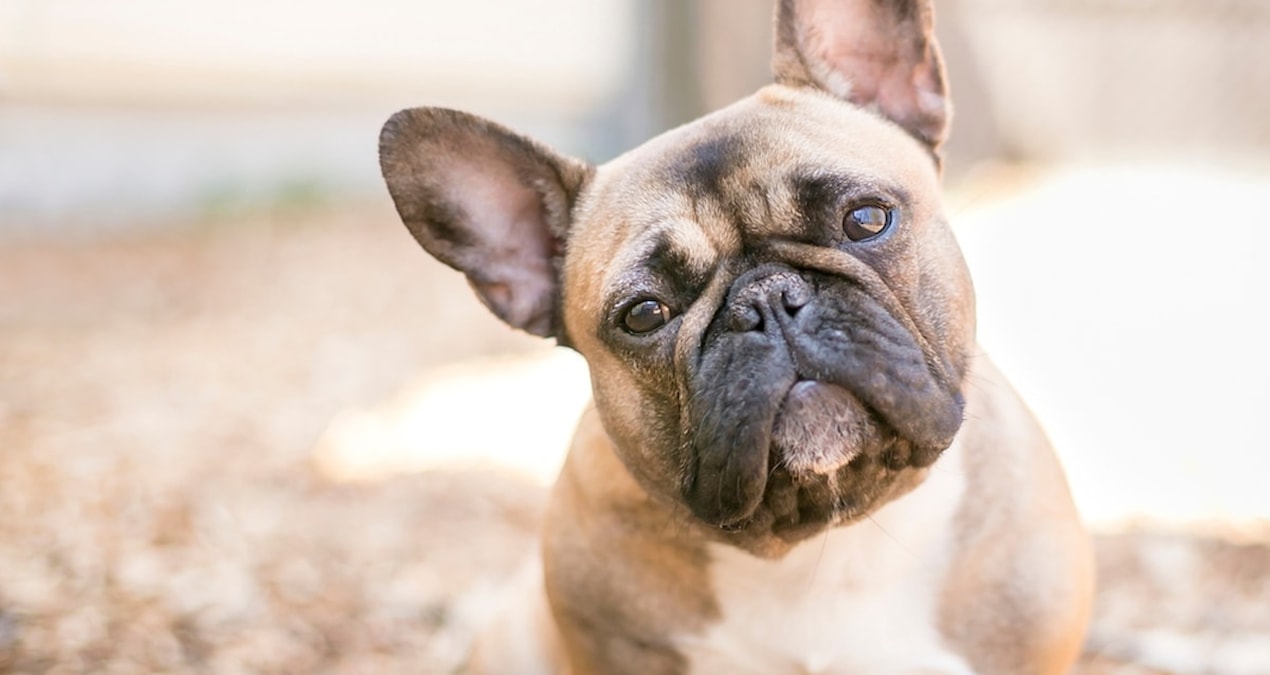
[[861, 599]]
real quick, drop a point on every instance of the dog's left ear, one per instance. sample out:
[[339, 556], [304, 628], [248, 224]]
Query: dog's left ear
[[878, 54], [488, 202]]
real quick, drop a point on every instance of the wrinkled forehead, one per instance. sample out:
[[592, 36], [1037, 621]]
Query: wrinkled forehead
[[746, 173]]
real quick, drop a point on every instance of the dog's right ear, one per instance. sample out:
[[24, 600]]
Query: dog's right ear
[[488, 202], [877, 54]]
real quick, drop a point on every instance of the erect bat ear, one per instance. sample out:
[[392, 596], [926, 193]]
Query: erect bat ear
[[488, 202], [877, 54]]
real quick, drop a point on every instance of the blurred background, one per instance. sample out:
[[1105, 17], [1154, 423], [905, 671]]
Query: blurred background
[[245, 422]]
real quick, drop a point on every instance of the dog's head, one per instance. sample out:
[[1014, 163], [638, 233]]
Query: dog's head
[[776, 316]]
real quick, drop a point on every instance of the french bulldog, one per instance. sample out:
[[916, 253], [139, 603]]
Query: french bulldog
[[796, 460]]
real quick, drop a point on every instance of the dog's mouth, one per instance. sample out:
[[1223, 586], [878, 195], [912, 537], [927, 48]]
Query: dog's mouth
[[826, 459], [813, 423], [830, 461], [819, 428]]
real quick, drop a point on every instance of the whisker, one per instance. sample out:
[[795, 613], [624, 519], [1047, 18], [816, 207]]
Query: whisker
[[779, 463], [824, 541], [890, 536], [672, 519]]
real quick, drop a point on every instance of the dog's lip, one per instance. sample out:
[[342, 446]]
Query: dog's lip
[[807, 386], [804, 387], [825, 454], [804, 384]]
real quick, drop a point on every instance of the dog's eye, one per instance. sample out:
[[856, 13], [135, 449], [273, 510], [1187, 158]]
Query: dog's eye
[[867, 221], [645, 316]]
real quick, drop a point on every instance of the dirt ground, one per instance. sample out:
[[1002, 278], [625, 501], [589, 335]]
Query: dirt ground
[[160, 398]]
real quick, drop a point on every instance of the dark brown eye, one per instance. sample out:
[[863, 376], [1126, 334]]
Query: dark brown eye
[[645, 316], [863, 222]]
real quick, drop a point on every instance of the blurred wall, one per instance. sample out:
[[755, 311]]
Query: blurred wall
[[113, 113], [143, 110], [565, 54], [1102, 79], [1059, 80]]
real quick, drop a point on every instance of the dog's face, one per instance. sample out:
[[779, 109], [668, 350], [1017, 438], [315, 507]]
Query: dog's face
[[775, 313]]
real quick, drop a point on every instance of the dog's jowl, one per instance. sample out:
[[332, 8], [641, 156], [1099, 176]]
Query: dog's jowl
[[797, 460]]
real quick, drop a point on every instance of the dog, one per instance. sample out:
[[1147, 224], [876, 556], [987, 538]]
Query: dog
[[796, 459]]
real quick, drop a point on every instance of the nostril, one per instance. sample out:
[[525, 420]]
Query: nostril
[[744, 317], [759, 298], [795, 298]]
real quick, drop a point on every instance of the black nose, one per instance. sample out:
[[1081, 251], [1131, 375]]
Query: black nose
[[758, 295]]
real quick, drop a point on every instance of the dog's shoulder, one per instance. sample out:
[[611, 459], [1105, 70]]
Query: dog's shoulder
[[1022, 556]]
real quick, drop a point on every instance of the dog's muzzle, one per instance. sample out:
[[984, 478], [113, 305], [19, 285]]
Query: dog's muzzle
[[801, 375]]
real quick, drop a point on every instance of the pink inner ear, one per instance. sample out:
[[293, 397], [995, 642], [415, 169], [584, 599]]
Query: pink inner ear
[[513, 242], [866, 54], [847, 54]]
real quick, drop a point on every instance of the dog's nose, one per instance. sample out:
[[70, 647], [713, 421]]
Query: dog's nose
[[758, 295]]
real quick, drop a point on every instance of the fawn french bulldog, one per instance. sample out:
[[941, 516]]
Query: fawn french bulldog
[[797, 461]]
